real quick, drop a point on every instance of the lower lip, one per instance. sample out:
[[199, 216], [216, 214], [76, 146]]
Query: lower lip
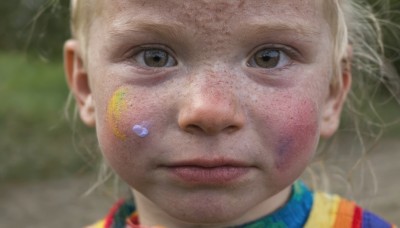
[[205, 175]]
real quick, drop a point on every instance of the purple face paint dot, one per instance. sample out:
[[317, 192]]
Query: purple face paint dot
[[140, 131]]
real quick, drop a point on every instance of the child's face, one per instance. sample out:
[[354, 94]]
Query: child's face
[[234, 94]]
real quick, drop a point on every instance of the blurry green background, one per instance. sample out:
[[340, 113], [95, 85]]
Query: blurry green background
[[36, 140]]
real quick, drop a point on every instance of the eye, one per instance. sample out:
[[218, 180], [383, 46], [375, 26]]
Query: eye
[[269, 58], [155, 58]]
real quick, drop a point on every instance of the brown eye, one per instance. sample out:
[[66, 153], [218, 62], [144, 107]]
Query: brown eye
[[155, 58], [269, 58]]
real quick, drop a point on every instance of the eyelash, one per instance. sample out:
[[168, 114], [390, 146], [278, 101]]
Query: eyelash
[[139, 58], [285, 53], [288, 54]]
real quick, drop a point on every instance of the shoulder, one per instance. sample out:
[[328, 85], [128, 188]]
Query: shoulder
[[334, 211]]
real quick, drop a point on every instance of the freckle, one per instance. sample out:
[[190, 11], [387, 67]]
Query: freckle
[[140, 130]]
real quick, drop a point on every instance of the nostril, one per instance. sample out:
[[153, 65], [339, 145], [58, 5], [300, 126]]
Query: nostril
[[192, 128], [231, 129], [211, 130]]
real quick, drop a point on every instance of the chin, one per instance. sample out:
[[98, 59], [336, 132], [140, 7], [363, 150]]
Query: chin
[[211, 210], [211, 216]]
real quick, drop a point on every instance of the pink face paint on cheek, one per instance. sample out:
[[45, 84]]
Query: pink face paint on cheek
[[116, 106], [298, 136]]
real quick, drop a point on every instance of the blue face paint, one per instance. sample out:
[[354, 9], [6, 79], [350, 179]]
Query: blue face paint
[[140, 131], [283, 151]]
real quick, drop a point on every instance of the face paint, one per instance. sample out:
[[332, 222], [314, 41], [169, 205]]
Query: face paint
[[140, 130], [283, 152], [116, 107]]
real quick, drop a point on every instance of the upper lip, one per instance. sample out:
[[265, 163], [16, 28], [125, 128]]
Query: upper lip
[[208, 163]]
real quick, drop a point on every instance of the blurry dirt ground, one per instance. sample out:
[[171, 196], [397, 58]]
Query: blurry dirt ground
[[59, 203]]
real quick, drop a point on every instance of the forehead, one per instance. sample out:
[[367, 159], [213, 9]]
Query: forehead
[[217, 6], [214, 13]]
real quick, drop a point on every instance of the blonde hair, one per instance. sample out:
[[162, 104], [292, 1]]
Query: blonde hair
[[83, 13], [357, 24]]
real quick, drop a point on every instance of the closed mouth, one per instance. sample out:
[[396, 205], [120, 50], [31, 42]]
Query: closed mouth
[[208, 163], [208, 172]]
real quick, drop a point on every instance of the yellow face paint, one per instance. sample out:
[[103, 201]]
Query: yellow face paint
[[116, 107]]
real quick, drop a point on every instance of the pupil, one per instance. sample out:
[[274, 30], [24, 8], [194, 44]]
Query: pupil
[[156, 58], [268, 55], [267, 58]]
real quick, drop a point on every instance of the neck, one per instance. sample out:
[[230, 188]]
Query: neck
[[151, 215]]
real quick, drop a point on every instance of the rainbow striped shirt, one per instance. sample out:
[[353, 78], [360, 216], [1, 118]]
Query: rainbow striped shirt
[[304, 209]]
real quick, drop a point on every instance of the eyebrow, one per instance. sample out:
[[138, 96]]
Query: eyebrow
[[298, 28], [173, 30], [170, 31]]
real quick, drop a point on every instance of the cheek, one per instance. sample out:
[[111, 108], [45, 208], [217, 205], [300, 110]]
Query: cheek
[[116, 108], [124, 128], [124, 118], [294, 123]]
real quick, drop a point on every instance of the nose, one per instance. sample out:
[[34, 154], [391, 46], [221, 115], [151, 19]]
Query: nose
[[211, 108]]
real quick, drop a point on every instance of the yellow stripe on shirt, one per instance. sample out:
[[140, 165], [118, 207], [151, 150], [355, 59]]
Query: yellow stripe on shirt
[[323, 213], [99, 224]]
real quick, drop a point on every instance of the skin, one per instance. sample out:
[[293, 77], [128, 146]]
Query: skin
[[214, 103]]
